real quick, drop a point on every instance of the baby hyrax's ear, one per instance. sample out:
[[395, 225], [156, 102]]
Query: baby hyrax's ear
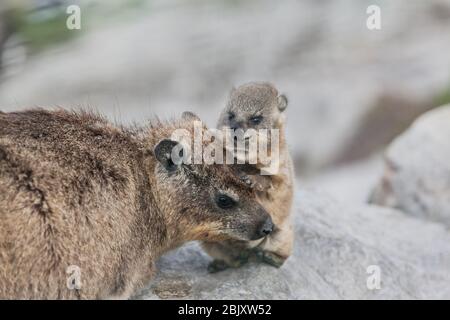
[[169, 153], [282, 102], [188, 115]]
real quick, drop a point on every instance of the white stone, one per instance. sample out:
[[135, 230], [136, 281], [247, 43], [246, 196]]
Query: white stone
[[417, 169]]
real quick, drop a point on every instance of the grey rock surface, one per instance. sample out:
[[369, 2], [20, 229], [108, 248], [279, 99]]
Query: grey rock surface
[[417, 169], [335, 245]]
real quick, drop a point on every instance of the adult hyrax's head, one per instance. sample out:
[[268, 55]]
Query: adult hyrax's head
[[205, 201], [254, 105]]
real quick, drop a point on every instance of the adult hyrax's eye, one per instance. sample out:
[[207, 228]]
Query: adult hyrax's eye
[[231, 116], [256, 120], [225, 202]]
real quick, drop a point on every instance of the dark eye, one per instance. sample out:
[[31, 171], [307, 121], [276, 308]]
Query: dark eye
[[256, 120], [225, 202], [231, 115]]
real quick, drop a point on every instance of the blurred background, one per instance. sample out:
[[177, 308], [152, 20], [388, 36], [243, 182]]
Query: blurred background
[[351, 90]]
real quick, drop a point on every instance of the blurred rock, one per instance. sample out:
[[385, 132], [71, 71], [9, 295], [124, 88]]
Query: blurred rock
[[351, 183], [5, 32], [440, 10], [417, 169], [390, 115], [335, 246], [178, 55]]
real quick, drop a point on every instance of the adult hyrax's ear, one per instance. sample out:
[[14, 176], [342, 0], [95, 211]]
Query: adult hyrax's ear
[[188, 115], [169, 153], [282, 102]]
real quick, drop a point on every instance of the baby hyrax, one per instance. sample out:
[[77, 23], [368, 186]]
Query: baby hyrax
[[259, 106], [87, 207]]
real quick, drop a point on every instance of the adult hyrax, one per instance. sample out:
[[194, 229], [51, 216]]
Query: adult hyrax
[[81, 197], [258, 105]]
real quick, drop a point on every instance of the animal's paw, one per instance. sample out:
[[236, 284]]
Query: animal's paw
[[217, 266], [220, 265], [270, 258]]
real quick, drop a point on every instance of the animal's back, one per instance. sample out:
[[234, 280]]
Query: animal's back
[[61, 175]]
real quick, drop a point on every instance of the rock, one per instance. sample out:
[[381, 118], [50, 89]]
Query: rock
[[351, 183], [417, 169], [390, 116], [335, 246]]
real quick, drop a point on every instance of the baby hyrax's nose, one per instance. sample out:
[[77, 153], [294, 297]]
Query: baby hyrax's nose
[[266, 228], [234, 127]]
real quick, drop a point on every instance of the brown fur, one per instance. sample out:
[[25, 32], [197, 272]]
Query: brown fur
[[76, 190], [275, 191]]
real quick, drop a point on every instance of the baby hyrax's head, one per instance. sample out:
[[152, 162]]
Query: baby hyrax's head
[[205, 201], [254, 105]]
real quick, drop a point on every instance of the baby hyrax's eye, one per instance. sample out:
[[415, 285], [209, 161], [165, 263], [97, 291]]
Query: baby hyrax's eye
[[225, 202], [255, 120]]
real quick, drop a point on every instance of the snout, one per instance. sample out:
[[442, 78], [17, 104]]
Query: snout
[[234, 125], [264, 229]]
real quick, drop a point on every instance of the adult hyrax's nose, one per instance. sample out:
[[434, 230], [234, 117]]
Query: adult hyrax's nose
[[266, 228]]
